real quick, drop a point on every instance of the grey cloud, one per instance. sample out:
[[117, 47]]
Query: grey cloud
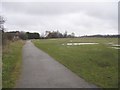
[[46, 8], [63, 16], [39, 8]]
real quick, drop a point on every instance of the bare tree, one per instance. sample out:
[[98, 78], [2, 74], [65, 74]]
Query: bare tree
[[2, 34]]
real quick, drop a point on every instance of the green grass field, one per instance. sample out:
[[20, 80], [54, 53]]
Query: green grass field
[[12, 57], [97, 64]]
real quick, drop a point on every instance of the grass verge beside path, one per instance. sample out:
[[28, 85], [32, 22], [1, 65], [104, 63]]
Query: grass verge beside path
[[97, 64], [12, 58]]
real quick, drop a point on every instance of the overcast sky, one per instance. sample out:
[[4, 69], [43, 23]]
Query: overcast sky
[[82, 18]]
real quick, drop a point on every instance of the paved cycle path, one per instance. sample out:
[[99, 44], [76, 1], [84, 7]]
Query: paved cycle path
[[39, 70]]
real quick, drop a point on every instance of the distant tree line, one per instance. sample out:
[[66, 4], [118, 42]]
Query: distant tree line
[[57, 34], [32, 35], [15, 35], [104, 36]]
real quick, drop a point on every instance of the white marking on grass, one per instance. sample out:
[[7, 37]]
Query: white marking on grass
[[115, 47], [110, 43], [81, 43]]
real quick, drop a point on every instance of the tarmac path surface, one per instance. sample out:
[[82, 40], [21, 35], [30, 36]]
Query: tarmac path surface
[[39, 70]]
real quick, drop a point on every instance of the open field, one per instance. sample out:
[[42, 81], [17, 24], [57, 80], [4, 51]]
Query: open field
[[12, 57], [97, 63]]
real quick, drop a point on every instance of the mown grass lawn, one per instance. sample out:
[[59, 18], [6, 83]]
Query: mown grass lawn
[[97, 64], [12, 57]]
